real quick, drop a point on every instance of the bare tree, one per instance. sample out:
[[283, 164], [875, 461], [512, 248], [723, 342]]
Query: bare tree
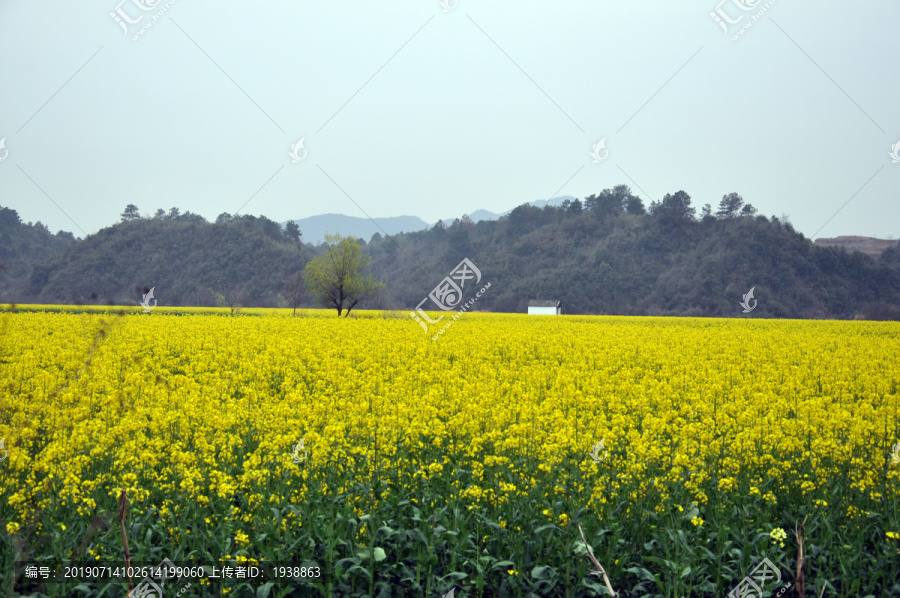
[[236, 297], [294, 290]]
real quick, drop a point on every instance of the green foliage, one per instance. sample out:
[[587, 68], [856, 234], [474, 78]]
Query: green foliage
[[602, 255], [337, 278], [188, 261], [25, 253], [416, 537]]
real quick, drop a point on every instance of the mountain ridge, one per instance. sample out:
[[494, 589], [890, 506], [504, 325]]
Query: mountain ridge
[[314, 228]]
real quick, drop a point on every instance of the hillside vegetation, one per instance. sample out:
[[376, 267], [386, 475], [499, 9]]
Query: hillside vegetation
[[607, 254]]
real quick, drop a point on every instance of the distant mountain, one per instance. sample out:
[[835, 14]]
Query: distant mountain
[[555, 202], [476, 216], [479, 215], [868, 245], [314, 228]]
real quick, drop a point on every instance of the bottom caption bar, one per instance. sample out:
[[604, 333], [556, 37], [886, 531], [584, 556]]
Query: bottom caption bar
[[148, 578]]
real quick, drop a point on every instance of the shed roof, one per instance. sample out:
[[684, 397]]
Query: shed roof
[[543, 303]]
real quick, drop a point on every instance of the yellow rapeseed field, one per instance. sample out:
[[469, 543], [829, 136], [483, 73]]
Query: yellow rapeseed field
[[181, 407]]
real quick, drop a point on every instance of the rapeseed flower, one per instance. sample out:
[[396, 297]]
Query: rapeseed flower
[[778, 535], [185, 412]]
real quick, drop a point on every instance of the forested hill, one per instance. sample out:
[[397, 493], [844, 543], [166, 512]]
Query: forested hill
[[608, 254], [24, 250]]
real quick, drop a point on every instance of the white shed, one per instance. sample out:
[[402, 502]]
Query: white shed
[[544, 307]]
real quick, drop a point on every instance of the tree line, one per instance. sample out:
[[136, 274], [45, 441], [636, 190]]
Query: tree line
[[605, 254]]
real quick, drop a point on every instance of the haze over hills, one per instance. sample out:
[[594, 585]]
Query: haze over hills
[[867, 245], [314, 228]]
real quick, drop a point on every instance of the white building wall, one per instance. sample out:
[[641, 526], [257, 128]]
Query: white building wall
[[542, 311]]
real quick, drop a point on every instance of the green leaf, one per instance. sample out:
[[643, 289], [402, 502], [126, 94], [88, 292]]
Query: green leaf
[[598, 587], [415, 535], [347, 562], [379, 555], [642, 573], [354, 569], [263, 591], [543, 572]]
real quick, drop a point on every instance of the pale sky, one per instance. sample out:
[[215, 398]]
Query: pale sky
[[409, 110]]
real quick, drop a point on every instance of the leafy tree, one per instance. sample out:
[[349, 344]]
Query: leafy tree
[[748, 210], [174, 214], [575, 208], [729, 206], [189, 217], [293, 231], [634, 205], [674, 208], [223, 218], [160, 214], [622, 194], [522, 219], [130, 213], [612, 202], [336, 278], [458, 241], [9, 218], [439, 231]]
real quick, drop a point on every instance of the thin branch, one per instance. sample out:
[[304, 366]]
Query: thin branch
[[600, 570], [798, 533]]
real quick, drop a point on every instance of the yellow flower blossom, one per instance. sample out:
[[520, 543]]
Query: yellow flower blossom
[[778, 535]]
